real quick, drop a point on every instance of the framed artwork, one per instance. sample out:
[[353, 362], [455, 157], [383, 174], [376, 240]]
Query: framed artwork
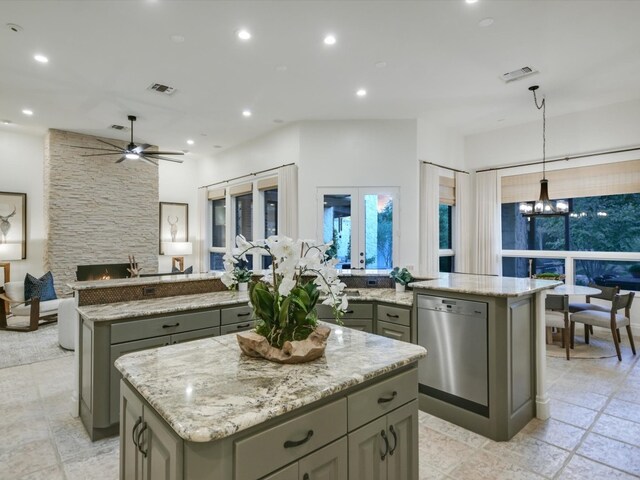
[[13, 226], [174, 223]]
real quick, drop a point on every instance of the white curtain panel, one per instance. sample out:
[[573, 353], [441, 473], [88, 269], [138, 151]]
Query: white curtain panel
[[429, 219], [288, 201], [202, 246], [487, 223], [463, 238]]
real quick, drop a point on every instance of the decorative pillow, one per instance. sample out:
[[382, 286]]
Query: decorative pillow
[[39, 287]]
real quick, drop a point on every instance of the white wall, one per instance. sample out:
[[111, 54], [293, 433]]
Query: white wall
[[21, 164], [437, 144]]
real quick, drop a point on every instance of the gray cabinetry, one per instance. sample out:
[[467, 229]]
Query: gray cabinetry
[[150, 450], [393, 322], [358, 316], [328, 463]]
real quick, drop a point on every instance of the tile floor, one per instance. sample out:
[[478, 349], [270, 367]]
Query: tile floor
[[594, 432]]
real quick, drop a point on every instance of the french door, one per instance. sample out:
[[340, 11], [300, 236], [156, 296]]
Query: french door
[[362, 223]]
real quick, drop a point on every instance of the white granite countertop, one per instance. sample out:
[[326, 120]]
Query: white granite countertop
[[485, 285], [127, 282], [207, 390], [386, 295]]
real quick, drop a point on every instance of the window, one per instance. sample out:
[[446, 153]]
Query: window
[[445, 227], [270, 211], [243, 205], [218, 222]]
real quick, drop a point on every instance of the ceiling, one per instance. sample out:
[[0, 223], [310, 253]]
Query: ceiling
[[438, 64]]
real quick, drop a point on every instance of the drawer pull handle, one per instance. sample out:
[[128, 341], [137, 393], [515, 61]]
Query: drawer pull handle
[[386, 445], [171, 326], [144, 427], [388, 399], [243, 325], [133, 432], [391, 315], [246, 314], [349, 311], [395, 439], [297, 443]]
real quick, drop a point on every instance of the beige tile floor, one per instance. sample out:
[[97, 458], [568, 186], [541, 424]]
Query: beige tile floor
[[594, 432]]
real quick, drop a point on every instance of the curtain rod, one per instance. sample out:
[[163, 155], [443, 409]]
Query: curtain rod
[[442, 166], [253, 174], [562, 159]]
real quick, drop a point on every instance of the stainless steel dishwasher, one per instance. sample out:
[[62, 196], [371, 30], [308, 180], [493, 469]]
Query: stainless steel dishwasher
[[455, 370]]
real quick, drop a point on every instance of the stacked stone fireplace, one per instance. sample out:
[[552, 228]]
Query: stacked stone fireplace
[[96, 211]]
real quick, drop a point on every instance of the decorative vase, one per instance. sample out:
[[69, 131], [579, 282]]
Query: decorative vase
[[400, 287], [242, 286], [297, 351]]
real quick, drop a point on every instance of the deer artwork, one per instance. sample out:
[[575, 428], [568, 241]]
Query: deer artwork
[[174, 227], [5, 224]]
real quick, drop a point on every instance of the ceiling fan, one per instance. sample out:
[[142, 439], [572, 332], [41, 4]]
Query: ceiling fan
[[131, 151]]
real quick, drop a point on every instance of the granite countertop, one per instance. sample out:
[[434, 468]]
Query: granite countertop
[[157, 306], [386, 295], [127, 282], [485, 285], [207, 390]]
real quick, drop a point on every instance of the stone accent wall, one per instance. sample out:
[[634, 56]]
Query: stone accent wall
[[96, 210]]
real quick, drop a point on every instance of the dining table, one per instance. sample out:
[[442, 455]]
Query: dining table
[[575, 290]]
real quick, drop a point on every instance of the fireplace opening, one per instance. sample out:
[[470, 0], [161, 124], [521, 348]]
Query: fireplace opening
[[102, 272]]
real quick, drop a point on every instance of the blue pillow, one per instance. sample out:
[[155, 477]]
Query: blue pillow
[[39, 287]]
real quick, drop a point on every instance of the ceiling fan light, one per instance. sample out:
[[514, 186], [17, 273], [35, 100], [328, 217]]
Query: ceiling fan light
[[132, 156]]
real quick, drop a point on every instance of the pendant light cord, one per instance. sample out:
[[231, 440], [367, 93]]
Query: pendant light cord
[[542, 106]]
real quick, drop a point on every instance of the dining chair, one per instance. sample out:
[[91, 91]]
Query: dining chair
[[609, 319], [606, 293], [557, 316]]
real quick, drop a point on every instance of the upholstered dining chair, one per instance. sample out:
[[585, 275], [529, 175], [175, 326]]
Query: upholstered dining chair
[[26, 315], [609, 319], [557, 316], [606, 293]]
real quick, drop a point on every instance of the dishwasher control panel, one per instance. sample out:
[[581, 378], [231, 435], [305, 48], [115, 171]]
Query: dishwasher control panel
[[450, 305]]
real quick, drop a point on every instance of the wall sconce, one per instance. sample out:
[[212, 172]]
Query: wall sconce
[[177, 250]]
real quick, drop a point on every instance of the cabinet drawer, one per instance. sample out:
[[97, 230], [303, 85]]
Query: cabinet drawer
[[287, 442], [195, 335], [236, 327], [236, 314], [362, 324], [381, 398], [401, 316], [154, 327], [354, 310], [391, 330]]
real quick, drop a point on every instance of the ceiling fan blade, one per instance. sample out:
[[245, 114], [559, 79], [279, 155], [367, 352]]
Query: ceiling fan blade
[[121, 159], [148, 160], [140, 148], [94, 148], [110, 144], [100, 154], [158, 157], [163, 153]]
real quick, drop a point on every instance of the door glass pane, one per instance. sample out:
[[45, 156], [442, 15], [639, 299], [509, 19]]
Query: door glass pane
[[378, 230], [218, 223], [243, 207], [337, 228], [445, 228], [270, 212]]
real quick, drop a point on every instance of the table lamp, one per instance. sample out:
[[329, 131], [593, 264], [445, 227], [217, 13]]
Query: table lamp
[[177, 250]]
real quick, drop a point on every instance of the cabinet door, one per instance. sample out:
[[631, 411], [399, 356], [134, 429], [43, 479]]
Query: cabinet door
[[161, 450], [195, 335], [402, 430], [237, 327], [130, 423], [328, 463], [364, 325], [117, 351], [287, 473], [391, 330], [367, 458]]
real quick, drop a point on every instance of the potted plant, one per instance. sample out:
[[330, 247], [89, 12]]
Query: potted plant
[[284, 301], [237, 274], [549, 276], [401, 277], [634, 270]]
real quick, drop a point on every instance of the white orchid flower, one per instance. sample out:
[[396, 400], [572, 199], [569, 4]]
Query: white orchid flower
[[285, 286]]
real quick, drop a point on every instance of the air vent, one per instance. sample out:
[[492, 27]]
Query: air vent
[[118, 127], [517, 74], [158, 87]]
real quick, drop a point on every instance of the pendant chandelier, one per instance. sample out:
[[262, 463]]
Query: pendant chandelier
[[543, 206]]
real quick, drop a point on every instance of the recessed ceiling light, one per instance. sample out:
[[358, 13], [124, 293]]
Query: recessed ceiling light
[[190, 142], [380, 64], [471, 1], [244, 34], [15, 28], [361, 92], [330, 40], [246, 113], [40, 58], [26, 111], [485, 22], [6, 122], [177, 38]]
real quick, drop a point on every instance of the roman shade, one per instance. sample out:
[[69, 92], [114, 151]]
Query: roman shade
[[447, 191], [268, 183], [216, 194], [241, 189]]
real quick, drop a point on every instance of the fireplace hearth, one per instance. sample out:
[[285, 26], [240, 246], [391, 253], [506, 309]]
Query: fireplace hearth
[[102, 271]]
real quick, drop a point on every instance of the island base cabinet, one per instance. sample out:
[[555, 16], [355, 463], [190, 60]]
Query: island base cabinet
[[328, 463], [149, 449], [386, 448]]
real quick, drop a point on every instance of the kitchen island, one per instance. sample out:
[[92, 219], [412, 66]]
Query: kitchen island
[[486, 338], [203, 410]]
